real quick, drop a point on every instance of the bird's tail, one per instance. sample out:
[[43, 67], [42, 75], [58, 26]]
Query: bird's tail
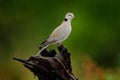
[[41, 50], [42, 46]]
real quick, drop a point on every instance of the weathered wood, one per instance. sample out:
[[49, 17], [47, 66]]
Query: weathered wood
[[50, 65]]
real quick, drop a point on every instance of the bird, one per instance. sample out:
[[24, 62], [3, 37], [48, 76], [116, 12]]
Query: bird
[[59, 34]]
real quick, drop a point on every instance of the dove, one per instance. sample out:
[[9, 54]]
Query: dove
[[59, 34]]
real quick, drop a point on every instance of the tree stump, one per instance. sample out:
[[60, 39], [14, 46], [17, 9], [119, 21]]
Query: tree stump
[[50, 65]]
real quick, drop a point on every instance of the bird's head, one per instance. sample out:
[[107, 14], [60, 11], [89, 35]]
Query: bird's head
[[69, 16]]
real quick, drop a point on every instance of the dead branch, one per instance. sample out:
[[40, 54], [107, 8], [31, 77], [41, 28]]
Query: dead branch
[[50, 65]]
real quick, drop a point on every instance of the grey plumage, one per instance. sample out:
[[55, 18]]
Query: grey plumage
[[60, 33]]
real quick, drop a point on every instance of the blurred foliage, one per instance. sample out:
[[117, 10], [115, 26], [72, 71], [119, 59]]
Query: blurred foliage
[[24, 24]]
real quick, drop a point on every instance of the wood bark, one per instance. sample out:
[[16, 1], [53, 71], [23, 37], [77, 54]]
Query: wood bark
[[50, 65]]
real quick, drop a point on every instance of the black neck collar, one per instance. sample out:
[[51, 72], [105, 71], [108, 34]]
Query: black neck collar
[[65, 19]]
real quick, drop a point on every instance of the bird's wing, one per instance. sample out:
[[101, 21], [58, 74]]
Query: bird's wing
[[56, 34]]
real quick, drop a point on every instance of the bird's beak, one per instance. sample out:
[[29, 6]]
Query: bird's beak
[[74, 17]]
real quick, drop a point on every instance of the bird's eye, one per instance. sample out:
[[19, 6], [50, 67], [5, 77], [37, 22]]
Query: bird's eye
[[70, 15]]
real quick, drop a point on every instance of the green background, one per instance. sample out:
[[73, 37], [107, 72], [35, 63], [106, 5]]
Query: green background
[[94, 43]]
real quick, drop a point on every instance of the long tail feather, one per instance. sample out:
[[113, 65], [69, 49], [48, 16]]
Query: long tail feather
[[43, 46], [41, 50]]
